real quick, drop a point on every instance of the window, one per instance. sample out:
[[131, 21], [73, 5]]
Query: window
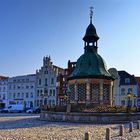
[[4, 88], [3, 96], [27, 87], [53, 92], [46, 91], [90, 44], [127, 80], [27, 95], [31, 95], [37, 102], [50, 92], [52, 81], [41, 91], [22, 95], [53, 102], [10, 87], [37, 92], [123, 102], [49, 102], [14, 95], [32, 86], [130, 90], [45, 72], [46, 82], [10, 95], [18, 95], [45, 101], [39, 82], [122, 91]]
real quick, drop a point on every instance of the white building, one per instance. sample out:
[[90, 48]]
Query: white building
[[3, 93], [124, 83], [21, 90], [46, 84], [46, 89]]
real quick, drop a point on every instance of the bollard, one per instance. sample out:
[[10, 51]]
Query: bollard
[[131, 127], [87, 136], [138, 125], [122, 130], [108, 134]]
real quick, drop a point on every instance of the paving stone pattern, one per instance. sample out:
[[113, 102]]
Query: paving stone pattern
[[29, 127]]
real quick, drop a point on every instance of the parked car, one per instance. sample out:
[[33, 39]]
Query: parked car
[[37, 110], [13, 108], [29, 110], [4, 110]]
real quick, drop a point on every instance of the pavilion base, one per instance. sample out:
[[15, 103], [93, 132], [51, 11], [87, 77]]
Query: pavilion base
[[97, 118]]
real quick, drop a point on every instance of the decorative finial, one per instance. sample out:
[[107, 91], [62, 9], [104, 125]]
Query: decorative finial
[[91, 13]]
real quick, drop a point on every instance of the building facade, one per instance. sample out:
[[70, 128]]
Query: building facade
[[127, 85], [3, 91], [46, 88], [21, 90], [138, 95], [63, 83]]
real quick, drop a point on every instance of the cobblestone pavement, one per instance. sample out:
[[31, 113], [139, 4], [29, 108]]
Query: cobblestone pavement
[[29, 127]]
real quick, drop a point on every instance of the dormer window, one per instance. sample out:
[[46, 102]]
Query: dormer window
[[127, 80]]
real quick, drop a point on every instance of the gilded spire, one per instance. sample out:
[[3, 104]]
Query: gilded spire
[[91, 14]]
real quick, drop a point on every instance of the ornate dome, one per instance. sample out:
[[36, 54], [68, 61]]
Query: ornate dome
[[90, 65]]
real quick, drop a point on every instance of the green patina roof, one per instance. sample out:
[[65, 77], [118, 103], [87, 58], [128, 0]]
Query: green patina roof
[[90, 64]]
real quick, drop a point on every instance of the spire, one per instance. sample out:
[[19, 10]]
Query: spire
[[91, 36], [91, 14]]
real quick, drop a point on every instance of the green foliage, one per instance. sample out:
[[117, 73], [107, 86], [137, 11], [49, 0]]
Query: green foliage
[[99, 108], [89, 108]]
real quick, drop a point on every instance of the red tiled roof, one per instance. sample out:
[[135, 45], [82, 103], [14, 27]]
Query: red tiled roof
[[3, 78], [138, 80]]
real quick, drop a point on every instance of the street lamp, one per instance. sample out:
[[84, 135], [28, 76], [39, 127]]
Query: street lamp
[[134, 96], [128, 105]]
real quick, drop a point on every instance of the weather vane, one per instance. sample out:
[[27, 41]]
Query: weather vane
[[91, 13]]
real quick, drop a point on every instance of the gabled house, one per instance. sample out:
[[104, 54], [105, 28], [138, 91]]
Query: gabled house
[[127, 85]]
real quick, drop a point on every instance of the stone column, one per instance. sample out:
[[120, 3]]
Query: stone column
[[87, 93], [111, 94], [101, 92], [76, 93]]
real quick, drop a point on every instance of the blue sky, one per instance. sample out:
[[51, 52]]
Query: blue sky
[[31, 29]]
